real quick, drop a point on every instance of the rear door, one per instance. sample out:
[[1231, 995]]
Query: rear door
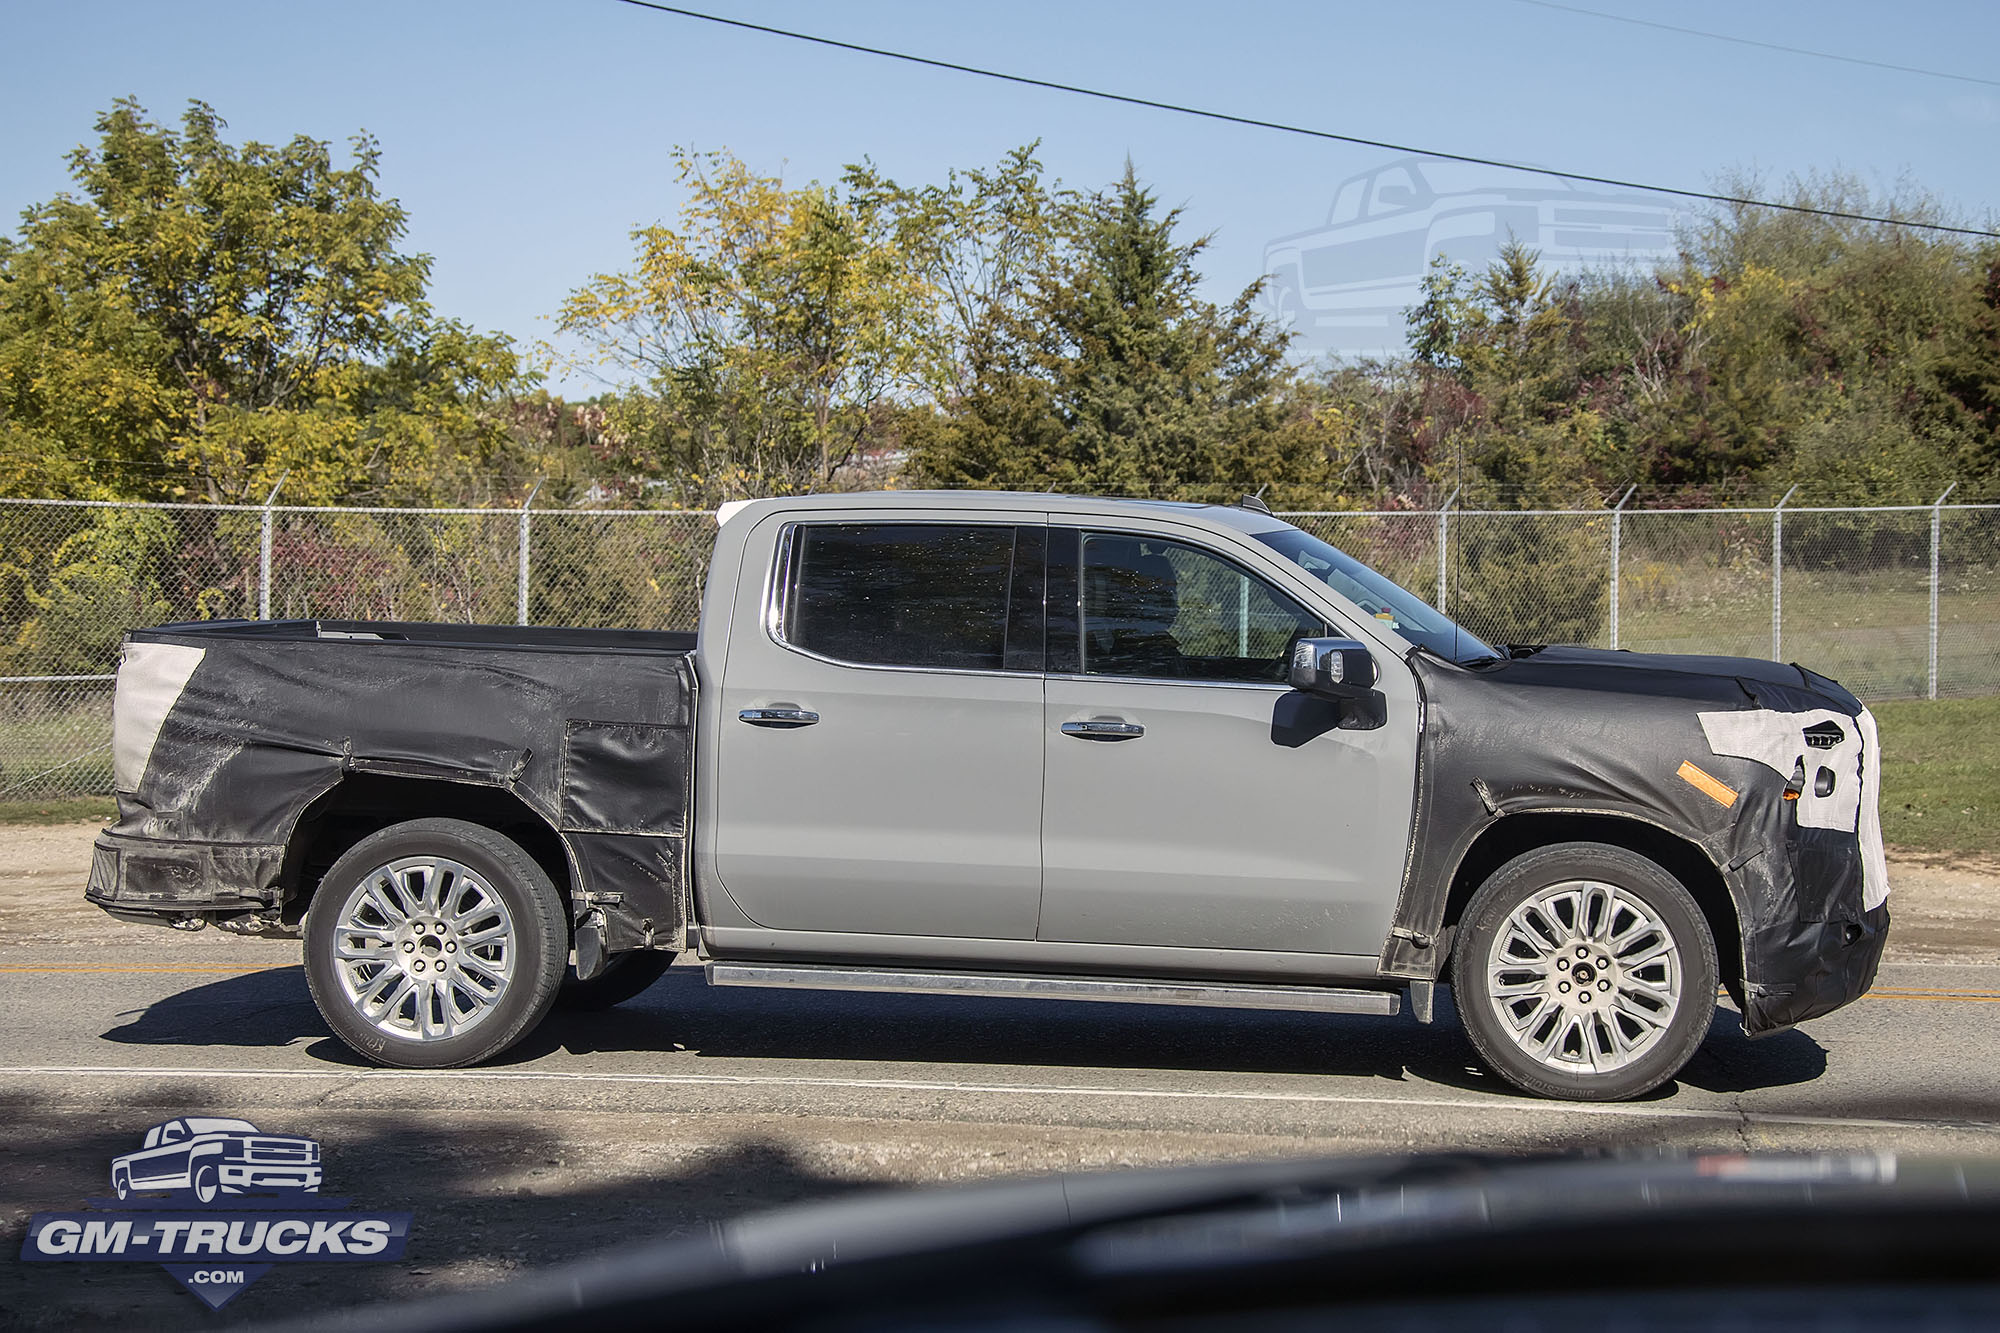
[[1191, 798], [879, 743]]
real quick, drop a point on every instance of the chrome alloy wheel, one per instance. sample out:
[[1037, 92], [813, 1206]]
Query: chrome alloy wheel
[[425, 948], [1584, 977]]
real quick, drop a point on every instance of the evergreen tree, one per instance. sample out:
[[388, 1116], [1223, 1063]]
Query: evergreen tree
[[1113, 376]]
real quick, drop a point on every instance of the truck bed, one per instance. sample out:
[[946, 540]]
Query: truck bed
[[235, 741]]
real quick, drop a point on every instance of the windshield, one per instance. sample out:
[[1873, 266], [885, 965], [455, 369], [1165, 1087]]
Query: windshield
[[1396, 607]]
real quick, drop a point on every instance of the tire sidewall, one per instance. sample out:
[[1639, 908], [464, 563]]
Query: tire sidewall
[[207, 1183], [1645, 880], [540, 929]]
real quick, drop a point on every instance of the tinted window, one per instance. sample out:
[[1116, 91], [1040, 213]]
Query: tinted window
[[901, 594], [1173, 612]]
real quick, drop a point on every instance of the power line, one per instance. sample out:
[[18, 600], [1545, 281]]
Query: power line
[[1766, 46], [1256, 123]]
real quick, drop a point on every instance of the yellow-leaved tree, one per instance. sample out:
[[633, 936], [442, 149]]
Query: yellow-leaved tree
[[769, 327]]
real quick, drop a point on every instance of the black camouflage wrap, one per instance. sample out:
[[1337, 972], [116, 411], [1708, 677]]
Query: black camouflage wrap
[[1586, 731], [591, 730]]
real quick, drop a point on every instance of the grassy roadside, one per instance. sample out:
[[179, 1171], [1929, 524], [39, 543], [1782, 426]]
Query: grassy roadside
[[57, 810], [1941, 775]]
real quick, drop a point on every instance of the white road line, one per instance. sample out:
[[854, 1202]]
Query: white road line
[[364, 1076]]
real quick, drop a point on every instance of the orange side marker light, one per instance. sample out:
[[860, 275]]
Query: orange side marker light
[[1708, 784]]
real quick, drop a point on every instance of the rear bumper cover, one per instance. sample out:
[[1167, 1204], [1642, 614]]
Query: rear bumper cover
[[177, 878]]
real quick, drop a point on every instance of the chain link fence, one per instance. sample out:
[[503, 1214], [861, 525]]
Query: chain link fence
[[1893, 602]]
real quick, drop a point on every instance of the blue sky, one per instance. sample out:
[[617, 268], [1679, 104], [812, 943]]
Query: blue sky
[[527, 137]]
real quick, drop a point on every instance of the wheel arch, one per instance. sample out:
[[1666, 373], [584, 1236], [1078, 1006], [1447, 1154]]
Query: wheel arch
[[365, 803], [1514, 834]]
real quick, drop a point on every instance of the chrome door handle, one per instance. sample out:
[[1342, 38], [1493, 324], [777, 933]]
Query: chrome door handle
[[778, 717], [1103, 731]]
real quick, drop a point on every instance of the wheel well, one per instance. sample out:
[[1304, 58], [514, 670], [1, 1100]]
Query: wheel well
[[366, 803], [1515, 834]]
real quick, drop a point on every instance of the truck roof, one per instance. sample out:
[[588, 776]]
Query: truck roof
[[1243, 520]]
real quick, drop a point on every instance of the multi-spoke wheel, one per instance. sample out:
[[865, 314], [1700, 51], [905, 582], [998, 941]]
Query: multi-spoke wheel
[[1584, 971], [434, 943]]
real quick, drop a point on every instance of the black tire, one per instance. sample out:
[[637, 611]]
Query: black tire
[[538, 945], [626, 976], [1579, 1031], [207, 1184]]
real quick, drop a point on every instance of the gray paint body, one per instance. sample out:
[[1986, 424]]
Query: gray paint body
[[943, 816]]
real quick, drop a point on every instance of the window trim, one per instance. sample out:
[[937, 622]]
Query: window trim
[[777, 593], [1073, 629]]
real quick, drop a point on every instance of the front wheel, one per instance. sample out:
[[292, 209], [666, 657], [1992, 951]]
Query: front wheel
[[207, 1184], [1585, 972], [435, 943]]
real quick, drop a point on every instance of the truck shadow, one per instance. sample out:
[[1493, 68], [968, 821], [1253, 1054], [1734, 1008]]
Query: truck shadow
[[268, 1008], [681, 1013]]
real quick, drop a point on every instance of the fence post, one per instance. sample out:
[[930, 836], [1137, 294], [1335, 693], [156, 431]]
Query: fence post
[[1937, 513], [1444, 537], [1617, 531], [264, 559], [521, 593], [1778, 578]]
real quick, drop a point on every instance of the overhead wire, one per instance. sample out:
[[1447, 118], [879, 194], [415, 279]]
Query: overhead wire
[[1255, 122], [1765, 46]]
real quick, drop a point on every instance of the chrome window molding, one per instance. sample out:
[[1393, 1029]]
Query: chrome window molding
[[1274, 687]]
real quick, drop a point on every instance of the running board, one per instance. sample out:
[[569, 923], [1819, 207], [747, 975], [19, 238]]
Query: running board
[[1315, 999]]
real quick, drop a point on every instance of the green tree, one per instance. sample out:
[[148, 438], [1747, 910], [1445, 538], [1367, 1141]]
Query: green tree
[[198, 319], [1110, 374], [769, 326]]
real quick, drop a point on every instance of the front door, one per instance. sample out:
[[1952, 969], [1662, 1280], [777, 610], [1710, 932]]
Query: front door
[[1190, 798], [879, 749]]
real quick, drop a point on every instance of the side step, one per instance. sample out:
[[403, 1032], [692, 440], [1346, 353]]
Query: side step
[[1316, 999]]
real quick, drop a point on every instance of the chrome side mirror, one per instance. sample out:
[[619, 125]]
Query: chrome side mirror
[[1332, 668]]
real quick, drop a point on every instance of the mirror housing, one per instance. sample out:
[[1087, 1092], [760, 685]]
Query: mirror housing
[[1332, 668]]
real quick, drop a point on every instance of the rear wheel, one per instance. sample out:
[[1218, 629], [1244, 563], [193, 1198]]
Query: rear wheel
[[1585, 972], [626, 976], [435, 943]]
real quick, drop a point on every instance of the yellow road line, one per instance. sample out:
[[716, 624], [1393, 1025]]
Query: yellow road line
[[1949, 999], [167, 971]]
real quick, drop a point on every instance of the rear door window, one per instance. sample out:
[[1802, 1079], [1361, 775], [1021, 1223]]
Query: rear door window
[[923, 595]]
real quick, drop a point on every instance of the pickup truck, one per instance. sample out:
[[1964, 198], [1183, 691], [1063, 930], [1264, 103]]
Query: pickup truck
[[1018, 745]]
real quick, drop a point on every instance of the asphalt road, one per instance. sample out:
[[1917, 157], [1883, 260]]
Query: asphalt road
[[689, 1105]]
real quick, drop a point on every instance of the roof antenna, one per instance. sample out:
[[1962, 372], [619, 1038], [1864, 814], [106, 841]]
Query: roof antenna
[[1255, 503]]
